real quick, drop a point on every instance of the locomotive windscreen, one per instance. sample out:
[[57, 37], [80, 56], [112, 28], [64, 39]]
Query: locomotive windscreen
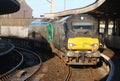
[[84, 25], [82, 28]]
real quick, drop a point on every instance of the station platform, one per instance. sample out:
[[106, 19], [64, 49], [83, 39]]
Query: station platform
[[114, 54]]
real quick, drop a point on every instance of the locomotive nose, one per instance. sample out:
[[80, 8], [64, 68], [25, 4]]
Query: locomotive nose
[[83, 43]]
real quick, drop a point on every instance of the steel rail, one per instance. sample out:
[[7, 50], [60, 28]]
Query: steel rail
[[69, 74], [111, 67], [5, 75], [39, 65], [7, 51]]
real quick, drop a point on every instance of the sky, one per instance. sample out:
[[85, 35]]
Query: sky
[[40, 7]]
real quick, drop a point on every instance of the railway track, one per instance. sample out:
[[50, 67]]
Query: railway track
[[32, 63], [17, 63], [5, 47], [90, 73], [52, 70], [22, 73], [67, 78], [10, 65], [83, 74], [74, 73]]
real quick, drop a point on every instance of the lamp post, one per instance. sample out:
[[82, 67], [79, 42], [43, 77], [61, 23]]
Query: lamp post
[[64, 5], [52, 3]]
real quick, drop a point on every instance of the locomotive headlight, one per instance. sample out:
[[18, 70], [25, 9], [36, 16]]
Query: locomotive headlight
[[70, 44], [82, 18], [95, 45]]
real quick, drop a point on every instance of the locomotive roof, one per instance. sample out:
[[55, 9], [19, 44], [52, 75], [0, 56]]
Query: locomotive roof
[[68, 17], [38, 22], [64, 19]]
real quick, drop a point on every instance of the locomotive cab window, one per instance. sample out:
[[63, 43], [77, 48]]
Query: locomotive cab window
[[85, 26], [82, 28]]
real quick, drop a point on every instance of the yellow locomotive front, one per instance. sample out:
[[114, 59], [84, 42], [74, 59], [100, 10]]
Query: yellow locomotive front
[[83, 51], [82, 42]]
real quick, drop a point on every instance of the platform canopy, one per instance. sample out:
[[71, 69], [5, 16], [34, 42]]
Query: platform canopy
[[110, 8], [99, 9], [9, 6]]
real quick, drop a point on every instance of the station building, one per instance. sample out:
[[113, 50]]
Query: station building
[[24, 12]]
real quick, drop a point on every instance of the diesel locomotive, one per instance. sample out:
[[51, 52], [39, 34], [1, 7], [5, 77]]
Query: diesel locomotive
[[74, 37]]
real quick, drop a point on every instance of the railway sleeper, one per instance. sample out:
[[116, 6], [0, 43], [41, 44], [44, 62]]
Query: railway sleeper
[[21, 73]]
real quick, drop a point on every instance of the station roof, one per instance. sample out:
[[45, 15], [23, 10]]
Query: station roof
[[9, 6], [110, 8], [100, 9]]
